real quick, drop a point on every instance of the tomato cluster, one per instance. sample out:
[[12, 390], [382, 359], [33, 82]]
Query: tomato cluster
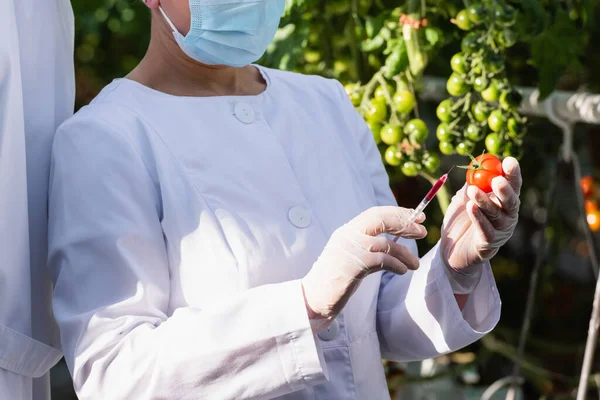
[[591, 195], [401, 137], [483, 105]]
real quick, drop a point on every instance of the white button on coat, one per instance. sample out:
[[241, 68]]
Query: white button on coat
[[331, 332], [175, 242], [299, 216], [244, 112]]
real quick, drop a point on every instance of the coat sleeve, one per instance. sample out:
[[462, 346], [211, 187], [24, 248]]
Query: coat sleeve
[[417, 314], [108, 258]]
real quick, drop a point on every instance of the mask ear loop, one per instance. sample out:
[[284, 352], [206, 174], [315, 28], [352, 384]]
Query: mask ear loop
[[168, 19]]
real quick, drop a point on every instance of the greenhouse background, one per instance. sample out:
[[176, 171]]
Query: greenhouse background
[[550, 55]]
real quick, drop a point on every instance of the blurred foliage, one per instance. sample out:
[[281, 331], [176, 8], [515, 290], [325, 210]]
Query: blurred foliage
[[351, 40]]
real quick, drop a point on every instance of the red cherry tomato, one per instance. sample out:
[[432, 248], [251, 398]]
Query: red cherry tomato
[[593, 220], [587, 185], [590, 206], [482, 170]]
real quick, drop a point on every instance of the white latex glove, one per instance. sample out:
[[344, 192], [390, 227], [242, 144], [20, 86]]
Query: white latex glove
[[354, 251], [476, 225]]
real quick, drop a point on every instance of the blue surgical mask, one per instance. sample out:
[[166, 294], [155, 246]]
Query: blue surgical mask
[[229, 32]]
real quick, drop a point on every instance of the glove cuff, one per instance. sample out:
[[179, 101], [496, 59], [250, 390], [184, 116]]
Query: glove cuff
[[462, 282]]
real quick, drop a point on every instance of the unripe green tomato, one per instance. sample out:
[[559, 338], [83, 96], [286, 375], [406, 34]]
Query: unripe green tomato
[[380, 92], [480, 111], [443, 132], [492, 92], [506, 38], [375, 128], [474, 133], [515, 129], [446, 148], [462, 20], [393, 156], [354, 92], [456, 85], [417, 130], [494, 144], [470, 43], [496, 121], [510, 99], [377, 111], [505, 15], [465, 147], [391, 134], [458, 63], [431, 162], [476, 13], [493, 63], [480, 83], [512, 150], [410, 168], [404, 101], [444, 110]]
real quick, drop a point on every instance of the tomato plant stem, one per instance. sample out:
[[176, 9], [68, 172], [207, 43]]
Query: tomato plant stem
[[388, 98]]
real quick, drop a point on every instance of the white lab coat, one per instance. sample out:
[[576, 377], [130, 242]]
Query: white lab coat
[[179, 230], [36, 94]]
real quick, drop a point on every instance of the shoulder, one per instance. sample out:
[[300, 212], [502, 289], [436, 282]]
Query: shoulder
[[315, 85], [112, 118]]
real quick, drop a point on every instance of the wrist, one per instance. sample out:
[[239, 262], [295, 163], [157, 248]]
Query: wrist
[[464, 280], [317, 321]]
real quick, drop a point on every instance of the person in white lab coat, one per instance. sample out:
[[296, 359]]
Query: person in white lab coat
[[37, 91], [218, 230]]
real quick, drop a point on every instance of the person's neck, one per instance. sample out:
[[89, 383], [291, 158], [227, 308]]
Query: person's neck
[[167, 69]]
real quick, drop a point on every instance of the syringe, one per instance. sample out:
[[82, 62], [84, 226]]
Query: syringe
[[428, 197]]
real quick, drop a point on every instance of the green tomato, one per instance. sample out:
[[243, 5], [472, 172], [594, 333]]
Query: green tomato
[[377, 111], [446, 148], [410, 168], [510, 99], [494, 144], [480, 111], [444, 110], [443, 132], [431, 162], [470, 43], [512, 150], [492, 93], [476, 13], [463, 21], [474, 133], [480, 83], [404, 101], [458, 63], [506, 38], [497, 121], [354, 91], [465, 147], [456, 85], [417, 130], [391, 134], [375, 127], [515, 129], [505, 15], [393, 156], [493, 63], [380, 92]]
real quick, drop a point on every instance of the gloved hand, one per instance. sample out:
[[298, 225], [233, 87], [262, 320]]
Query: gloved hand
[[477, 225], [354, 251]]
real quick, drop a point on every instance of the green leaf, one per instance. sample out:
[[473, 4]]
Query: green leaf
[[369, 45], [556, 50], [287, 46], [534, 18], [432, 35], [374, 24], [397, 61]]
